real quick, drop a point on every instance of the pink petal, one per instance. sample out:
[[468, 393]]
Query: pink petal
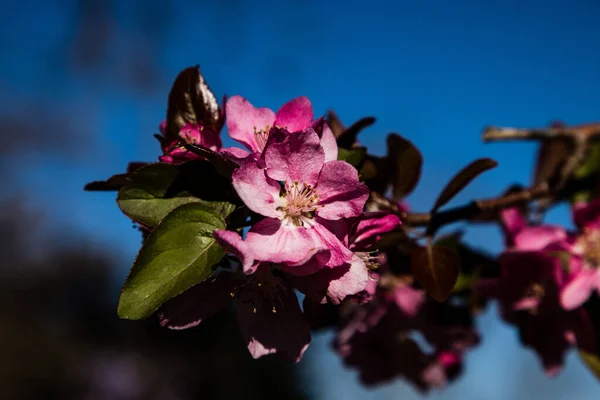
[[275, 242], [353, 281], [329, 144], [587, 214], [299, 157], [198, 303], [513, 221], [162, 127], [259, 192], [201, 136], [243, 120], [233, 244], [284, 332], [296, 115], [335, 283], [374, 224], [579, 289], [325, 239], [341, 193], [538, 237], [408, 300], [236, 154]]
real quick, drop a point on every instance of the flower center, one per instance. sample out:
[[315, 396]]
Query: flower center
[[262, 290], [302, 201], [261, 136], [589, 242], [370, 258]]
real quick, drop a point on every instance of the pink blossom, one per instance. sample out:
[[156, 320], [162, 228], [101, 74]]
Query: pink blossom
[[299, 193], [193, 134], [333, 284], [267, 309], [575, 256], [583, 275], [255, 127]]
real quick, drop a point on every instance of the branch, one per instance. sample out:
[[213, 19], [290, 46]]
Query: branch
[[474, 210], [492, 133]]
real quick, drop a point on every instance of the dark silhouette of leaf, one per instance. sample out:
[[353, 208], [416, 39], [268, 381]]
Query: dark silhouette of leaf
[[155, 190], [408, 161], [462, 179], [348, 138], [335, 124], [436, 268], [191, 101], [115, 182], [224, 165]]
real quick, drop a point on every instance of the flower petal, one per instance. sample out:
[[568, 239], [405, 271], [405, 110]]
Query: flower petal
[[513, 222], [538, 237], [334, 284], [243, 120], [296, 115], [259, 192], [236, 154], [353, 281], [579, 289], [408, 300], [342, 195], [233, 243], [201, 136], [325, 239], [299, 157], [371, 226], [284, 332], [198, 303], [587, 214], [275, 242], [329, 144]]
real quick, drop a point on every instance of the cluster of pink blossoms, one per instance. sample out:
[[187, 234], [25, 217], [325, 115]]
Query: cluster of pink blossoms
[[309, 233], [547, 273]]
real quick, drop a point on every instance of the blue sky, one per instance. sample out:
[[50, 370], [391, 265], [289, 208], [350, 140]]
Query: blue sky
[[436, 72]]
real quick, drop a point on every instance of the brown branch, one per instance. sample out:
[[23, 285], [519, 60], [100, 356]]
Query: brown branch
[[492, 133], [474, 210]]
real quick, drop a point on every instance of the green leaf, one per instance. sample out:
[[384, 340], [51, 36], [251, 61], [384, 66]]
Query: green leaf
[[436, 268], [177, 255], [592, 361], [354, 156], [157, 189]]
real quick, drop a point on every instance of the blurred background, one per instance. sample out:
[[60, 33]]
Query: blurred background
[[83, 87]]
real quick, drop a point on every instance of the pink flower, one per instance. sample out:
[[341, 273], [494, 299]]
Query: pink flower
[[583, 275], [254, 127], [299, 193], [192, 134], [575, 256], [267, 309], [333, 284]]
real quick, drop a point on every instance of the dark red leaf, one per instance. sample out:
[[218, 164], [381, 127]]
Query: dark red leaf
[[462, 179], [436, 268]]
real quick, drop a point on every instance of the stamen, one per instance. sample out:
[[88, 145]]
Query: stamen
[[589, 242], [261, 136], [302, 201]]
